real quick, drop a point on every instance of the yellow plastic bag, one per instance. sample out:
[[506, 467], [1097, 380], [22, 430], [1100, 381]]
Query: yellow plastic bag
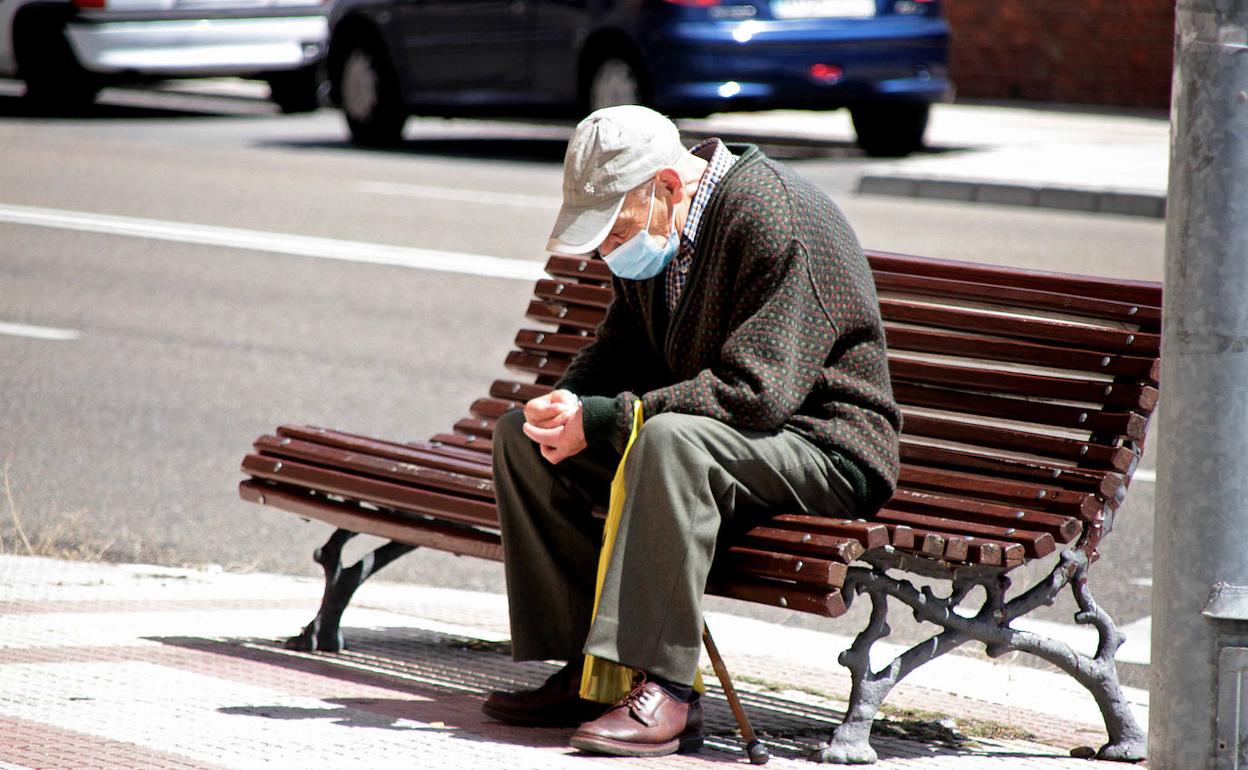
[[605, 681]]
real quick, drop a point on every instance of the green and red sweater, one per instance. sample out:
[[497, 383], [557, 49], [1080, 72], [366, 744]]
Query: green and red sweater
[[778, 328]]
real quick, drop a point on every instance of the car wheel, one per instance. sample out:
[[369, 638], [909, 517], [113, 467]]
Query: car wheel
[[613, 82], [296, 91], [54, 79], [370, 96], [890, 130]]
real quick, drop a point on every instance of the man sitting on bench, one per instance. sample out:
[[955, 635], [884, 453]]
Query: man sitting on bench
[[746, 329]]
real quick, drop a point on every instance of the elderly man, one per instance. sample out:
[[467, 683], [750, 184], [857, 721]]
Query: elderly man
[[746, 329]]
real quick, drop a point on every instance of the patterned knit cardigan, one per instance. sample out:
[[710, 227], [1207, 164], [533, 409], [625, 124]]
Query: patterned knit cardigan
[[777, 328]]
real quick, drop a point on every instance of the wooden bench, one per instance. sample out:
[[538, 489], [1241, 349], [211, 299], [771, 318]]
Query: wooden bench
[[1026, 399]]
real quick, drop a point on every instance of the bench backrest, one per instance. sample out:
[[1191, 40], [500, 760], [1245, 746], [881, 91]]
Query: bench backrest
[[1026, 395]]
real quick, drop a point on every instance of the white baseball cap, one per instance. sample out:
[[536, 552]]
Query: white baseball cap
[[611, 152]]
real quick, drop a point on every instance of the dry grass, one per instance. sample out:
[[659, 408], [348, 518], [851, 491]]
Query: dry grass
[[60, 537]]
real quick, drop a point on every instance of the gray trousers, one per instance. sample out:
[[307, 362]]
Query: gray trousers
[[691, 483]]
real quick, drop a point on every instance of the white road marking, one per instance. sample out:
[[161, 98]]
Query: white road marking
[[276, 243], [459, 194], [38, 332]]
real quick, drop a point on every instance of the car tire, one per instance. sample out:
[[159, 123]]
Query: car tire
[[890, 130], [297, 90], [612, 81], [55, 81], [369, 94]]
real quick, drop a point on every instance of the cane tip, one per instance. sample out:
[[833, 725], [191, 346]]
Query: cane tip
[[758, 752]]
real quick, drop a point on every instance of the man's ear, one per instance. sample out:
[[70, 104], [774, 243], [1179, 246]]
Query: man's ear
[[669, 179]]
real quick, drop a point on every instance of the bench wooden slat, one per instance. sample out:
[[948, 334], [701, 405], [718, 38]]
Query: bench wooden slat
[[807, 570], [579, 268], [551, 364], [868, 533], [1003, 325], [493, 408], [463, 541], [474, 443], [413, 453], [574, 293], [924, 340], [918, 455], [451, 507], [833, 547], [1146, 316], [551, 342], [1043, 497], [476, 426], [1064, 529], [1118, 289], [565, 315], [1085, 453], [829, 604], [1128, 424], [1036, 544], [382, 468], [1127, 397], [517, 391]]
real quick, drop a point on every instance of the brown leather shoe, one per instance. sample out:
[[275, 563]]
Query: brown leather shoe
[[557, 703], [646, 723]]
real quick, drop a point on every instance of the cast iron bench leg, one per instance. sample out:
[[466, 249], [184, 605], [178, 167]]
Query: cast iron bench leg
[[324, 633], [990, 625]]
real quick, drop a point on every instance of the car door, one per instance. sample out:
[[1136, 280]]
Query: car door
[[459, 51]]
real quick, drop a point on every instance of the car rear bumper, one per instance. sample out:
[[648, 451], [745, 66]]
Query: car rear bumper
[[199, 47], [741, 65]]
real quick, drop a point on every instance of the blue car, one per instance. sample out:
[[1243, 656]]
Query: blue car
[[884, 60]]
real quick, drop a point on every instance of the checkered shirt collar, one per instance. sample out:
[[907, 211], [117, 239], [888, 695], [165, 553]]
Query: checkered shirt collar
[[721, 159]]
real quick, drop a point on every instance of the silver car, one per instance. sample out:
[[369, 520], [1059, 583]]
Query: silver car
[[66, 51]]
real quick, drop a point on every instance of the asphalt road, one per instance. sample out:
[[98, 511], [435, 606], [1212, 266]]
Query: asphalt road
[[121, 440]]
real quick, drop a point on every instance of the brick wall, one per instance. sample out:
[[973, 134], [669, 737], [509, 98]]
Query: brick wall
[[1081, 51]]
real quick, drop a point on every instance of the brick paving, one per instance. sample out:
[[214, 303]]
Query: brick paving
[[125, 666]]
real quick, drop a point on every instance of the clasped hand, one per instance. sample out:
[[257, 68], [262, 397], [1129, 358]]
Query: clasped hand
[[554, 422]]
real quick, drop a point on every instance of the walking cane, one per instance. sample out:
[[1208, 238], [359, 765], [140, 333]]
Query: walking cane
[[753, 746]]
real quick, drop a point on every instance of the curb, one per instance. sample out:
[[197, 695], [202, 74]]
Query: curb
[[1135, 204]]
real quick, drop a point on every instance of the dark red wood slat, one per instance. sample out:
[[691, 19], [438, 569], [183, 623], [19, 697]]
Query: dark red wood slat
[[551, 342], [1004, 491], [1064, 529], [517, 391], [1127, 424], [413, 453], [493, 408], [868, 534], [1036, 544], [474, 443], [921, 340], [807, 570], [449, 507], [1117, 289], [1128, 397], [829, 604], [992, 437], [1045, 330], [1102, 482], [346, 461], [833, 547], [1146, 316], [552, 364], [565, 315], [350, 516], [579, 268], [574, 293]]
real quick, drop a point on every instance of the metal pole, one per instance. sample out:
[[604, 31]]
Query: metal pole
[[1199, 701]]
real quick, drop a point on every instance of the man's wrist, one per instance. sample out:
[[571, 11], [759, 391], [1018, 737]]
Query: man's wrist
[[599, 418]]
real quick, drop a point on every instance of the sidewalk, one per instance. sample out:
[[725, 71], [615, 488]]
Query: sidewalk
[[128, 666], [1027, 155]]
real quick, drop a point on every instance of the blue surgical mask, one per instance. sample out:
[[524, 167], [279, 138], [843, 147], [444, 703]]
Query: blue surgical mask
[[644, 255]]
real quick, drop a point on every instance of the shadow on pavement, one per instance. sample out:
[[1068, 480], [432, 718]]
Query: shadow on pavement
[[438, 682], [535, 150], [12, 106]]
